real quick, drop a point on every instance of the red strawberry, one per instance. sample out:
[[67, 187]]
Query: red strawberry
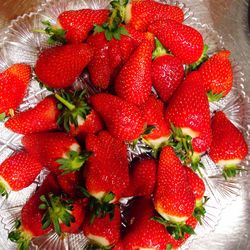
[[67, 216], [141, 13], [142, 178], [134, 82], [42, 117], [78, 23], [123, 120], [13, 85], [112, 177], [119, 246], [103, 232], [99, 66], [217, 75], [167, 72], [188, 110], [72, 58], [183, 41], [228, 146], [57, 151], [174, 198], [30, 225], [18, 172], [153, 112], [143, 232]]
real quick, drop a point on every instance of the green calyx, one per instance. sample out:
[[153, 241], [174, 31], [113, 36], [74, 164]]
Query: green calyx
[[3, 191], [57, 211], [2, 116], [55, 33], [72, 106], [204, 57], [73, 161], [19, 237], [112, 28], [200, 211], [99, 208], [177, 230], [160, 50], [214, 97], [230, 171]]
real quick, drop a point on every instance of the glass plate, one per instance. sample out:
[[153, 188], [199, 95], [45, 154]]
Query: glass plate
[[20, 44]]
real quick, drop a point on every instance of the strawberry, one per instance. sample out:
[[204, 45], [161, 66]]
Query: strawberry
[[167, 72], [30, 225], [183, 41], [141, 13], [143, 232], [18, 172], [113, 176], [13, 85], [142, 178], [57, 151], [153, 112], [174, 198], [188, 110], [67, 216], [42, 117], [119, 246], [123, 120], [134, 82], [217, 75], [228, 146], [103, 232], [72, 58]]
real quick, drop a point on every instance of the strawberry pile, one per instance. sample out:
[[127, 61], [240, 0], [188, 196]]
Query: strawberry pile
[[154, 82]]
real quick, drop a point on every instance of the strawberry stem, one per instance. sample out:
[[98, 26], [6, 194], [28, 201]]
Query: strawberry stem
[[67, 104], [160, 50]]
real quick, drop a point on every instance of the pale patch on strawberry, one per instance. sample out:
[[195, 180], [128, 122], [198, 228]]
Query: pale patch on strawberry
[[172, 218], [190, 132], [4, 184], [99, 240], [73, 147], [156, 143], [128, 13], [228, 162]]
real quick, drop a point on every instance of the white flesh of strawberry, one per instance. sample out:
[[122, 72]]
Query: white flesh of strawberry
[[228, 162], [171, 218], [73, 147], [98, 195], [128, 14], [101, 241], [156, 143], [5, 183], [190, 132]]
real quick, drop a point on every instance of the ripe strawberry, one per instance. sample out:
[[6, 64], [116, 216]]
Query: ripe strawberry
[[228, 146], [134, 82], [183, 41], [119, 246], [153, 112], [30, 225], [57, 151], [217, 75], [18, 172], [113, 176], [13, 85], [188, 110], [42, 117], [143, 232], [174, 198], [167, 72], [67, 216], [142, 178], [99, 66], [141, 13], [72, 58], [103, 232], [123, 120]]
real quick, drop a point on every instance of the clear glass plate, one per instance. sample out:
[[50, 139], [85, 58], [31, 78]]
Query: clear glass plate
[[20, 44]]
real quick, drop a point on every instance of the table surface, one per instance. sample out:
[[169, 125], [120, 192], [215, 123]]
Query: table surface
[[229, 18]]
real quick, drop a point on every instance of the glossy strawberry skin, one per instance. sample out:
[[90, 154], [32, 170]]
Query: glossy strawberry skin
[[13, 85], [19, 170], [99, 66], [174, 198], [228, 142], [105, 228], [113, 176], [134, 81], [69, 182], [123, 120], [189, 108], [217, 74], [78, 23], [49, 147], [183, 41], [42, 117], [167, 74], [72, 58], [145, 12]]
